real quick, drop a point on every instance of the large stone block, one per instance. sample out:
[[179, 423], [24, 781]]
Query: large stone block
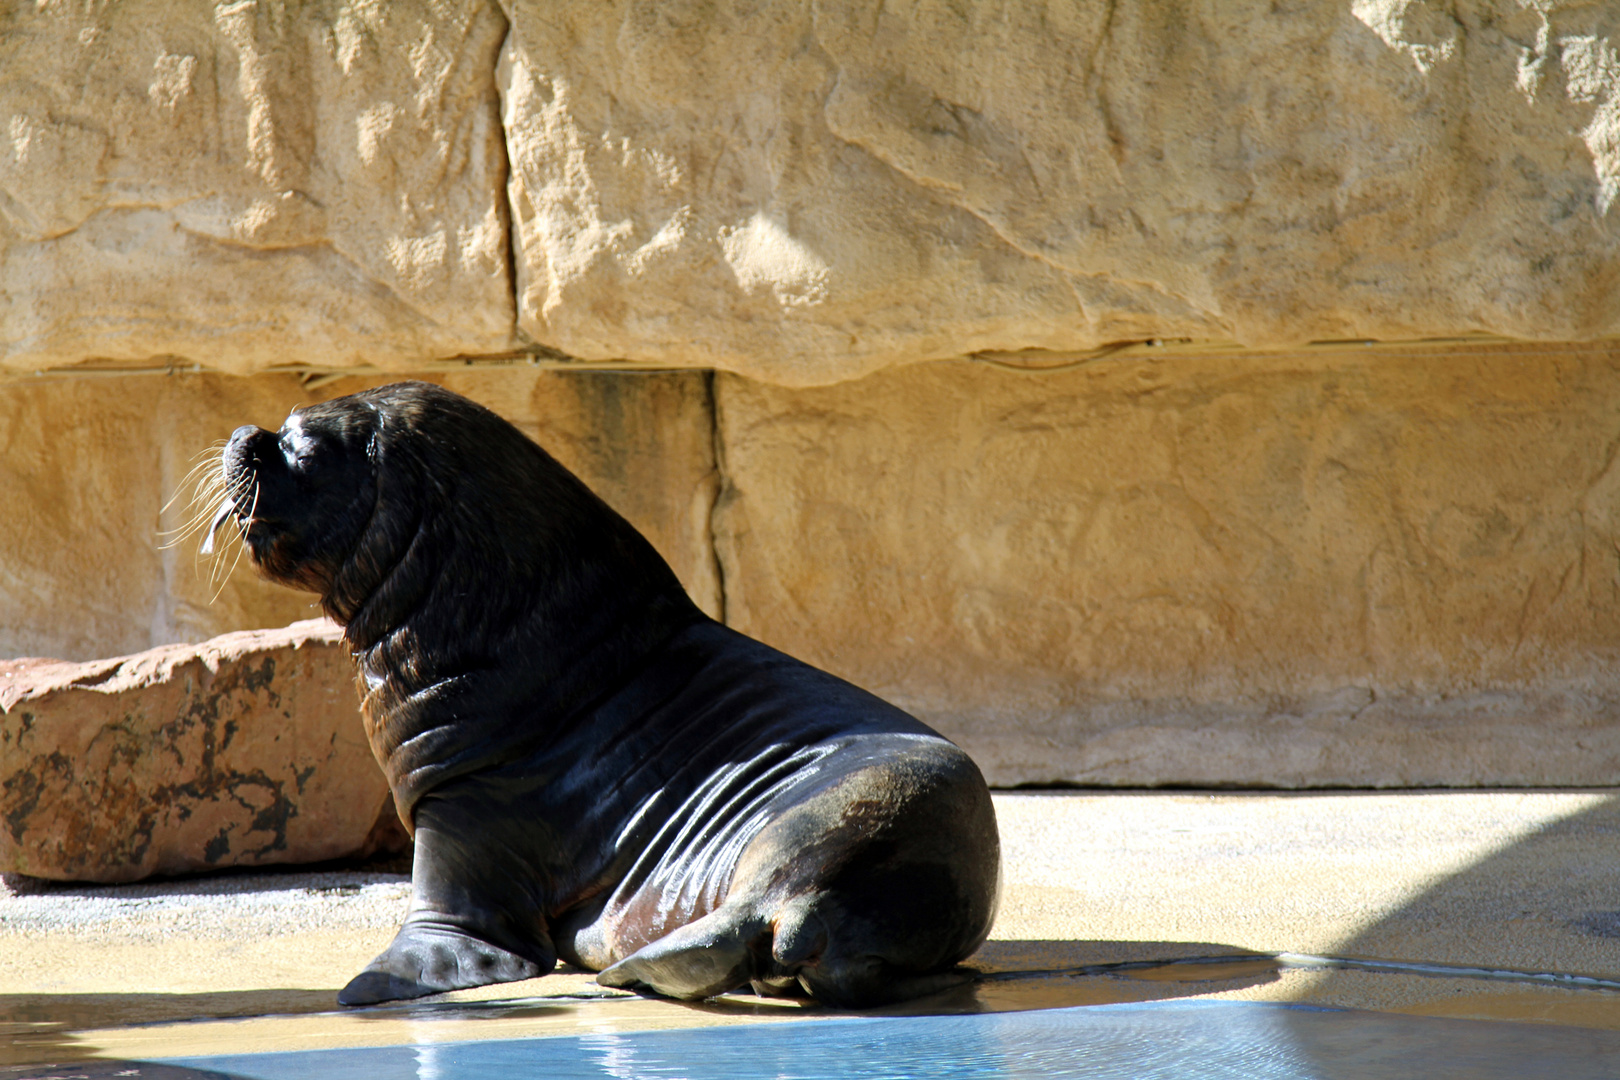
[[251, 184], [1317, 569], [242, 751], [678, 196], [90, 463], [805, 192], [798, 191]]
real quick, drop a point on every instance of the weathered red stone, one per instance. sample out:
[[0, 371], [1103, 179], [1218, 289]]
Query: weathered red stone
[[242, 751]]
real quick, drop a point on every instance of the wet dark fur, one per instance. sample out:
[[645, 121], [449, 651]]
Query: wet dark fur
[[593, 769]]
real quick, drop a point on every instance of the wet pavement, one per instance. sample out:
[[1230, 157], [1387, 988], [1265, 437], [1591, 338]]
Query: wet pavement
[[1140, 934]]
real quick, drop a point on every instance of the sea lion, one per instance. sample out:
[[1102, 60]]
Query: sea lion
[[592, 768]]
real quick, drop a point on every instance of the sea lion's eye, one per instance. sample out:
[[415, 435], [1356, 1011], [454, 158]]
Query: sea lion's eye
[[296, 445]]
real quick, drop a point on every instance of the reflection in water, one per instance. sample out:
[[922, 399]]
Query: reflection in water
[[613, 1055], [1206, 1040], [428, 1064], [108, 1070]]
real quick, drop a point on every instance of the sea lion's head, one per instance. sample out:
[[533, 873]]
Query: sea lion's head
[[302, 496], [412, 504]]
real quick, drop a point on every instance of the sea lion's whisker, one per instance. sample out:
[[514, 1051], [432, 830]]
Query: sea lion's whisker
[[236, 536], [219, 514], [203, 459], [218, 557], [198, 516], [225, 508], [204, 473], [241, 545], [194, 524], [207, 549], [205, 483]]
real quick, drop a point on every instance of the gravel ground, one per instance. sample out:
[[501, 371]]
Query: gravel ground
[[228, 906]]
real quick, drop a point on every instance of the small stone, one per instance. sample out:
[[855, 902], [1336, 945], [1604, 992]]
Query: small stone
[[242, 751]]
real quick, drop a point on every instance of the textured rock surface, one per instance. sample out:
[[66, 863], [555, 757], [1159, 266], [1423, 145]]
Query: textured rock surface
[[1301, 568], [678, 195], [242, 751], [1230, 569], [89, 464], [799, 191], [244, 183], [813, 190], [1324, 567]]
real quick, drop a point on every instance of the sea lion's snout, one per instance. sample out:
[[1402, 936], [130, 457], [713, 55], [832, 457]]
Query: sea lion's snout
[[300, 497], [253, 466], [245, 450]]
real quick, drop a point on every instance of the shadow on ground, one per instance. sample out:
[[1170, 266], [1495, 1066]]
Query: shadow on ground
[[232, 879], [1546, 906]]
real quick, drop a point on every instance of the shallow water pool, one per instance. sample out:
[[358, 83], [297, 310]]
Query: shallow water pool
[[1183, 1040]]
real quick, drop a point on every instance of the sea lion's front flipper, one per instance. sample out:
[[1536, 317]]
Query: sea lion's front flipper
[[429, 959], [701, 959], [470, 922]]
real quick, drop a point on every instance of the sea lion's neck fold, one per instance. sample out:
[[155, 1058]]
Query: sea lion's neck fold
[[429, 724]]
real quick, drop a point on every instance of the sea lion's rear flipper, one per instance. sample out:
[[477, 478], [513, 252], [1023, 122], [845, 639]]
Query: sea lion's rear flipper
[[429, 959], [701, 959]]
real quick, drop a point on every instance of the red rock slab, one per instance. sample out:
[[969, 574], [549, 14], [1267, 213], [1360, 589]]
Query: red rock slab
[[244, 750]]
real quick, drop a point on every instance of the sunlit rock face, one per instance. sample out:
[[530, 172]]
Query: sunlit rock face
[[1276, 566], [800, 192], [250, 184], [805, 192]]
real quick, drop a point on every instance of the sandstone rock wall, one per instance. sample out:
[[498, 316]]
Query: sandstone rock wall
[[1325, 567], [241, 183], [799, 191], [1334, 568], [1305, 566]]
